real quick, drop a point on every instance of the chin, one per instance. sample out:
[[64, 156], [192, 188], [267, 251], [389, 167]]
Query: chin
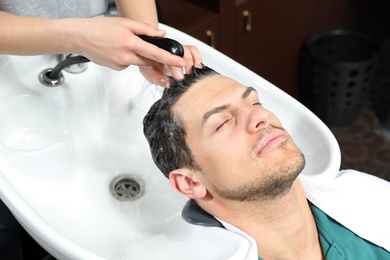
[[294, 165]]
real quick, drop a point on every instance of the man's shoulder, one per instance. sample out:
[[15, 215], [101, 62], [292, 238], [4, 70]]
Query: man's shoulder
[[338, 241], [353, 198]]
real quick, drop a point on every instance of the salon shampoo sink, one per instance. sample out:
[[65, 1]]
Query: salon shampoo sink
[[69, 154]]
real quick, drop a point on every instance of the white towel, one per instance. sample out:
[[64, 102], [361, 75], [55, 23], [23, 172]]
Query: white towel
[[358, 201], [249, 252]]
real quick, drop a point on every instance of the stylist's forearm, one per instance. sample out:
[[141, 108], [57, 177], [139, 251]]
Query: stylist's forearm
[[22, 35], [139, 10]]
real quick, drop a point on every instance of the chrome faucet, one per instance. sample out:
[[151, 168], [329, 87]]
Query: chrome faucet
[[74, 68], [53, 77]]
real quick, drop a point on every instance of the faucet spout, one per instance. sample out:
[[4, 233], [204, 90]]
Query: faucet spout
[[54, 77], [69, 60]]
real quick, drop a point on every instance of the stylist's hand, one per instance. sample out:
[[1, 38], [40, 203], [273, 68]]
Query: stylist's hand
[[113, 42], [156, 73]]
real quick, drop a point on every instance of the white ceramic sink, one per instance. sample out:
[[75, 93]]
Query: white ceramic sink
[[61, 147]]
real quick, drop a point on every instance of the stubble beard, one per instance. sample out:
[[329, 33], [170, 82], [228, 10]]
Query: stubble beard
[[271, 186]]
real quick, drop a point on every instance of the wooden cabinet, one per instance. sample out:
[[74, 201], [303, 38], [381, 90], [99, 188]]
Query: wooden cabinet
[[272, 43], [195, 20], [265, 36]]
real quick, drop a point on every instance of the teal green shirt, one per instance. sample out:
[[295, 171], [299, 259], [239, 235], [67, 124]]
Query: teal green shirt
[[338, 242]]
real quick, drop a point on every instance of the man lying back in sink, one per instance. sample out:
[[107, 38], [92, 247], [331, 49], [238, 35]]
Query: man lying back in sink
[[217, 145]]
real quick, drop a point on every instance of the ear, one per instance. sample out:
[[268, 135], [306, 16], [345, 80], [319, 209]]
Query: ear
[[184, 181]]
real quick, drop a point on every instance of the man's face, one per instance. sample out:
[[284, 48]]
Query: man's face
[[242, 149]]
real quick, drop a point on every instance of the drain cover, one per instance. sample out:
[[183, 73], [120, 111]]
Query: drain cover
[[127, 187]]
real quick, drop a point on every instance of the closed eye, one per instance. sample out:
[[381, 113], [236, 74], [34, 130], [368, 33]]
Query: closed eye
[[223, 124], [257, 104]]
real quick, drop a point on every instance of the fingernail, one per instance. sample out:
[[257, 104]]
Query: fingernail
[[177, 72], [164, 83], [199, 65]]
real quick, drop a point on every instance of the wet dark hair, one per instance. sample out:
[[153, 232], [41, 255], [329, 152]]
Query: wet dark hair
[[164, 130]]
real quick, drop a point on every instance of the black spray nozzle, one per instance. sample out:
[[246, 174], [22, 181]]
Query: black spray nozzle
[[167, 44]]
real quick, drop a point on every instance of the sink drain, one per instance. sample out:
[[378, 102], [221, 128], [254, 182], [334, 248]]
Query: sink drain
[[127, 187]]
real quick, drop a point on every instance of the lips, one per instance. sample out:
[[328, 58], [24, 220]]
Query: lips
[[270, 141]]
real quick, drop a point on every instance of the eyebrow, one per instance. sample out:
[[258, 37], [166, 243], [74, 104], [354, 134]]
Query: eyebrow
[[219, 109], [247, 92]]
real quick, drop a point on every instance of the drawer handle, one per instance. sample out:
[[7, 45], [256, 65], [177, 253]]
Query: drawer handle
[[248, 20], [211, 36]]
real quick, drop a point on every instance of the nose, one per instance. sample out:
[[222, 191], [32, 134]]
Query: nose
[[258, 118]]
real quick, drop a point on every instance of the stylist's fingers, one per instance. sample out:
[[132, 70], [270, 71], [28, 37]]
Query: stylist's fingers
[[139, 28], [192, 58], [147, 51], [155, 74], [176, 72]]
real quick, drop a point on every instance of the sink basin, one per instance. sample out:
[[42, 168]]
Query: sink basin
[[61, 148]]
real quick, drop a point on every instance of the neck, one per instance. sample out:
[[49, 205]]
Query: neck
[[283, 228]]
